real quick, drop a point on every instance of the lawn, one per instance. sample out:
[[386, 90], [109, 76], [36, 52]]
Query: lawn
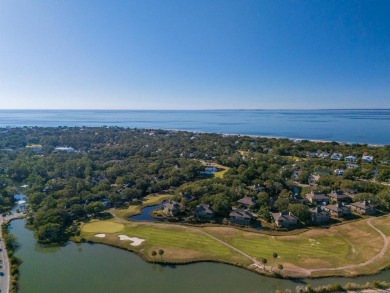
[[337, 246], [340, 245], [180, 243], [103, 227], [220, 174]]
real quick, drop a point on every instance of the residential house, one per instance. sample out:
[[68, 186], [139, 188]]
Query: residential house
[[204, 212], [313, 179], [339, 172], [351, 159], [338, 210], [339, 195], [318, 215], [367, 159], [336, 156], [247, 202], [188, 197], [352, 166], [312, 155], [284, 219], [240, 217], [363, 207], [209, 170], [171, 208], [36, 148], [323, 155], [317, 198], [64, 149]]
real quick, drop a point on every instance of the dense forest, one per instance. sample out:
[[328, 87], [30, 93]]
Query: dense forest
[[108, 167]]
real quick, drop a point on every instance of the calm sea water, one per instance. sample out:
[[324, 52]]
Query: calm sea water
[[353, 126]]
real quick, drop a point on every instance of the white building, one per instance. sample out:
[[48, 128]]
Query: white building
[[64, 149]]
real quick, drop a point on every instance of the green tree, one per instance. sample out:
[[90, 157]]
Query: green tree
[[161, 252], [154, 253], [94, 208], [282, 203], [280, 267], [50, 233], [275, 256], [299, 210]]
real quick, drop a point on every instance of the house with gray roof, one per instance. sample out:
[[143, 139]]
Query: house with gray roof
[[240, 217], [284, 219], [339, 195], [317, 198], [203, 211], [318, 215], [351, 159], [352, 166], [171, 208], [336, 156], [367, 159], [363, 207], [338, 210], [247, 202]]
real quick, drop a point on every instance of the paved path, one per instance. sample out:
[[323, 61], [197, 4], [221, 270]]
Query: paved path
[[371, 260], [305, 272], [5, 279], [308, 272], [255, 262]]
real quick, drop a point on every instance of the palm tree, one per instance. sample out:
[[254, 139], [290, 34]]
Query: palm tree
[[161, 252], [280, 267], [264, 261], [275, 256], [154, 253]]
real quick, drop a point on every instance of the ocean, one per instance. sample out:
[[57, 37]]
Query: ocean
[[351, 126]]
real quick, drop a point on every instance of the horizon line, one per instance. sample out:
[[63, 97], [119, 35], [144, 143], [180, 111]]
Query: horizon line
[[209, 109]]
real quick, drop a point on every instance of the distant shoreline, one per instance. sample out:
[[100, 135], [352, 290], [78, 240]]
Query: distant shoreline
[[209, 132], [345, 126]]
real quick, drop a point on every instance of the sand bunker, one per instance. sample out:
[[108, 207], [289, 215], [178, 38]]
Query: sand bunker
[[136, 241], [100, 235]]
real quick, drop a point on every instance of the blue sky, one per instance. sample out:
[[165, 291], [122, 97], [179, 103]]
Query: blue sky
[[194, 54]]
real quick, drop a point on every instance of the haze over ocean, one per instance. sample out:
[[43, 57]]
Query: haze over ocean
[[352, 126]]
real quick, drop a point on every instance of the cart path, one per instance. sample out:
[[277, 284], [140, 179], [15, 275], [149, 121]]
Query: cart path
[[371, 260], [305, 272]]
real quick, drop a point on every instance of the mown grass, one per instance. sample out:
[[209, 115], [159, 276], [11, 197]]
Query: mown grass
[[149, 200], [304, 250], [103, 227], [341, 245], [180, 244], [220, 174]]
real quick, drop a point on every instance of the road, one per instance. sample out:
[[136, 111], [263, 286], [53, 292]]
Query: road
[[5, 279]]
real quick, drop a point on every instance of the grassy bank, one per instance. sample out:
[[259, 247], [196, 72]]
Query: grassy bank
[[181, 244], [14, 262], [337, 246]]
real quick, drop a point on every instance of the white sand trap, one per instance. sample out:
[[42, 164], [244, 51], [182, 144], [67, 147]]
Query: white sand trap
[[136, 241], [100, 235]]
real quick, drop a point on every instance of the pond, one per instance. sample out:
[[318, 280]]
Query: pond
[[145, 214], [83, 268]]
